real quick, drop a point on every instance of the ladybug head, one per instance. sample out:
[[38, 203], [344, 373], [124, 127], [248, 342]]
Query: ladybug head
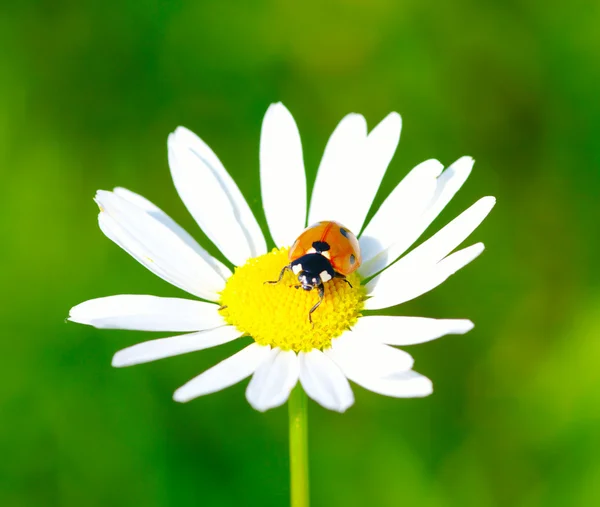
[[312, 270], [308, 280]]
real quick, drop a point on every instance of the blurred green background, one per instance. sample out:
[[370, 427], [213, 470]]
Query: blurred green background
[[88, 94]]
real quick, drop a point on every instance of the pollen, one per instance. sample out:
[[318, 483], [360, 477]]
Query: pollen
[[277, 314]]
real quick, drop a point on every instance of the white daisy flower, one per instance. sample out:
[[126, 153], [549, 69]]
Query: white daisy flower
[[344, 342]]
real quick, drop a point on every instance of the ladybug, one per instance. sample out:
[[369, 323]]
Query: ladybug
[[323, 251]]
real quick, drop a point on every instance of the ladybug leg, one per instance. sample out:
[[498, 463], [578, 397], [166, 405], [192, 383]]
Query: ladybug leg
[[343, 277], [285, 268], [321, 289]]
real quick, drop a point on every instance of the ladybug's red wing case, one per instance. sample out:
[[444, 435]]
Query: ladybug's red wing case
[[333, 241], [304, 243], [345, 251]]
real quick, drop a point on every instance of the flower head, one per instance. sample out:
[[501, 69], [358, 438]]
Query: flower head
[[341, 341]]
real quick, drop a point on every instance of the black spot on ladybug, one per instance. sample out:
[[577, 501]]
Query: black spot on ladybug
[[352, 259], [321, 246], [345, 232]]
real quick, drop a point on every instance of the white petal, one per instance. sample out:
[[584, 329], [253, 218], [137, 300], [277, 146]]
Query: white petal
[[401, 286], [157, 247], [447, 184], [213, 198], [408, 384], [324, 382], [408, 330], [356, 190], [161, 216], [378, 368], [273, 381], [447, 239], [174, 346], [147, 313], [439, 245], [283, 182], [340, 166], [356, 354], [399, 212], [228, 372]]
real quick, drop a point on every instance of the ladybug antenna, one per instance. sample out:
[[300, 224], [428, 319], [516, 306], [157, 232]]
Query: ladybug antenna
[[285, 268]]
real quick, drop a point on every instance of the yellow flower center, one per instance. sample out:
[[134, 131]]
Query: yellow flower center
[[277, 314]]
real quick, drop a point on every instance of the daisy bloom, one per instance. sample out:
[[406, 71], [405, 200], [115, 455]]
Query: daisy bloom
[[344, 341]]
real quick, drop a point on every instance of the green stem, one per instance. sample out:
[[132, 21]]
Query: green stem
[[299, 495]]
